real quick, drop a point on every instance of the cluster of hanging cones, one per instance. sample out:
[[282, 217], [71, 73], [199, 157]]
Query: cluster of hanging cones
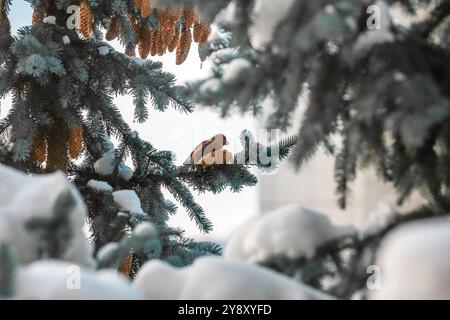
[[172, 29]]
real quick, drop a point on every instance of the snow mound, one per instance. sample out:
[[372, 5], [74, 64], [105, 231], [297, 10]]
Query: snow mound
[[103, 50], [49, 20], [415, 262], [25, 199], [217, 279], [105, 165], [125, 172], [291, 231], [99, 185], [128, 201], [57, 280], [66, 40], [145, 230]]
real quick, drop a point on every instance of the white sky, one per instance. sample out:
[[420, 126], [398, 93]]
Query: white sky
[[177, 132]]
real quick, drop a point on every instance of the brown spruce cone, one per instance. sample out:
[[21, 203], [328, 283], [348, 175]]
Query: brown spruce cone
[[162, 16], [160, 43], [184, 46], [167, 35], [201, 32], [113, 29], [127, 264], [39, 146], [146, 8], [57, 157], [189, 17], [134, 24], [138, 3], [37, 18], [154, 43], [174, 14], [206, 34], [85, 19], [145, 42], [175, 40], [75, 141]]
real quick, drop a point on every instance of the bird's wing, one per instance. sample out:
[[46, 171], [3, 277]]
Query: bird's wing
[[197, 153], [204, 149]]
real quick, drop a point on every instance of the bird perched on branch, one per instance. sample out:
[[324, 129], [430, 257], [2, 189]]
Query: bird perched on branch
[[211, 152]]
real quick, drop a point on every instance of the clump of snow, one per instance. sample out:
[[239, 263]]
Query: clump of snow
[[399, 76], [66, 40], [212, 85], [291, 231], [99, 185], [215, 278], [378, 219], [23, 198], [57, 280], [105, 165], [50, 20], [415, 262], [381, 34], [103, 50], [145, 230], [128, 201], [107, 251], [123, 215], [125, 172], [268, 14], [234, 71], [329, 9]]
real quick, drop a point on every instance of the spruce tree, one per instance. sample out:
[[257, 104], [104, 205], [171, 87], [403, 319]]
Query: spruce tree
[[377, 95], [63, 77]]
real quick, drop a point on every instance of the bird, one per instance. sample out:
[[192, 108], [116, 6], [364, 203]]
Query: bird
[[206, 151], [222, 156]]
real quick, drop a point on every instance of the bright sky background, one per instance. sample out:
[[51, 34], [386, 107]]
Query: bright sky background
[[180, 133]]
